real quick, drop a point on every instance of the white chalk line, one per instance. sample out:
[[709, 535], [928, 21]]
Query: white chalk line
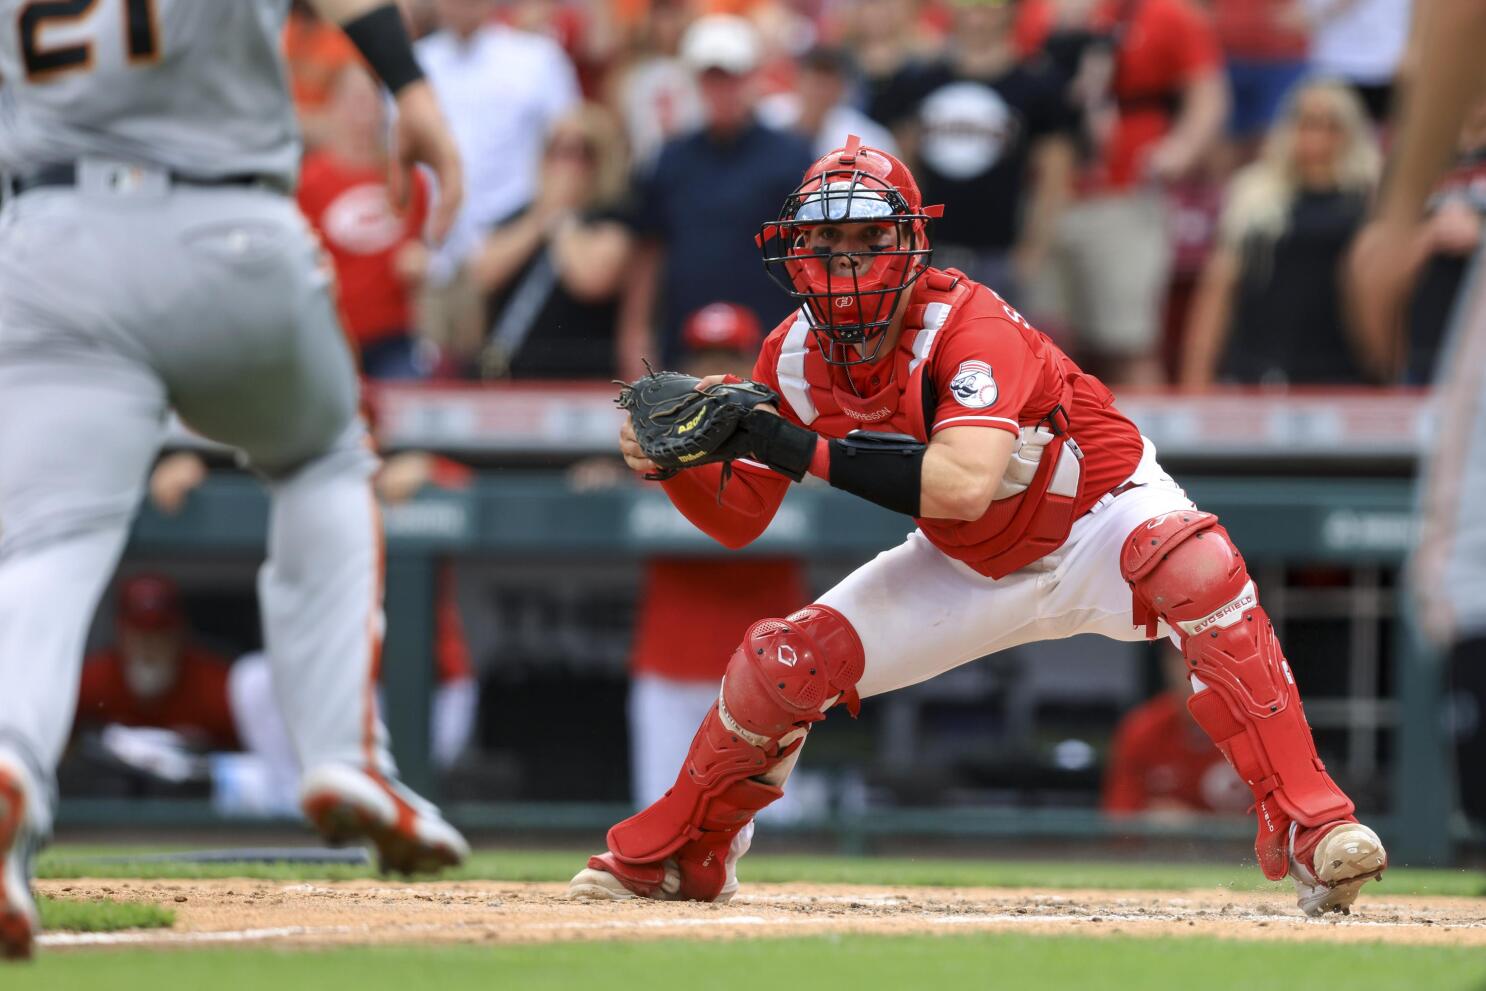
[[506, 928]]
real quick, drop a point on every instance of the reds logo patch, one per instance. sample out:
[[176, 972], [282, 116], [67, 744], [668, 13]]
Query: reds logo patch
[[974, 385]]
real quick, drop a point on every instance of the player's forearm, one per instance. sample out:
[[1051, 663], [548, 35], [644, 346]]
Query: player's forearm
[[1452, 36], [953, 477]]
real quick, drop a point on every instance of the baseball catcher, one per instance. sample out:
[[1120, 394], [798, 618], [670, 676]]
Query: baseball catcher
[[1041, 513]]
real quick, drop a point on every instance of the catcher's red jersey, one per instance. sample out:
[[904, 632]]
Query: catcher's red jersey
[[965, 359]]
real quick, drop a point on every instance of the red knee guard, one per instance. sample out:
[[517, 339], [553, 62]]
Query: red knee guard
[[1184, 569], [782, 678]]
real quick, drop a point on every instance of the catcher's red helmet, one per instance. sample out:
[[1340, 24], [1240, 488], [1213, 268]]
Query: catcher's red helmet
[[853, 184]]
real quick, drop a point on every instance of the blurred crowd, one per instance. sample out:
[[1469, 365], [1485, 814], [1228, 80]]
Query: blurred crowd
[[1168, 187]]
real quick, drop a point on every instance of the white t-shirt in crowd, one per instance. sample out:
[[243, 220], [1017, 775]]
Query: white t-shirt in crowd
[[501, 90]]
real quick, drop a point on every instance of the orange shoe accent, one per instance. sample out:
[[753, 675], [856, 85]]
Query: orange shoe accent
[[16, 928]]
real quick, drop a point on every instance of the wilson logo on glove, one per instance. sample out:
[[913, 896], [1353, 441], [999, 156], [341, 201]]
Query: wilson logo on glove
[[678, 426]]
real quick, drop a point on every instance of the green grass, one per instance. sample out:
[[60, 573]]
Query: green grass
[[543, 865], [101, 915], [854, 963]]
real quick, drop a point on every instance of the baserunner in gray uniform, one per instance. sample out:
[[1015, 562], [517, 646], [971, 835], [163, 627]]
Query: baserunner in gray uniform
[[1448, 569], [151, 258]]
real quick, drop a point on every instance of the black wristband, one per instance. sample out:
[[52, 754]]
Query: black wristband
[[886, 469], [778, 443], [382, 39]]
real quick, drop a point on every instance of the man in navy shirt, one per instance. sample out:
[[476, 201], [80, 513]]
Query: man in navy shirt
[[698, 207]]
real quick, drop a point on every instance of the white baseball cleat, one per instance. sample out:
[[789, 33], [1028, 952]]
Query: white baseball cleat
[[1331, 863], [346, 804], [18, 919], [607, 878], [601, 883]]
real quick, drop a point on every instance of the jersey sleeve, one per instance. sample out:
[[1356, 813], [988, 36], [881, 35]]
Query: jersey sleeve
[[735, 514], [742, 511], [984, 374]]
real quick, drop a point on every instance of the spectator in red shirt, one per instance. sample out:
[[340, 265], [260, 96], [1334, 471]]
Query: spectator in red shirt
[[379, 255], [1166, 102], [1162, 762], [155, 676], [693, 610]]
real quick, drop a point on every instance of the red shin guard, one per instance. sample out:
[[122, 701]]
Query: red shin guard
[[1183, 569], [782, 678]]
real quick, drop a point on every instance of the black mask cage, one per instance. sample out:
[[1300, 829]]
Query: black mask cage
[[849, 314]]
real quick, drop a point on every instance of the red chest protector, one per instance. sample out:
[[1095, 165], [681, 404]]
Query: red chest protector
[[1015, 531]]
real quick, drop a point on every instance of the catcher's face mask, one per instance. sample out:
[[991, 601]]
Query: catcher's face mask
[[851, 239]]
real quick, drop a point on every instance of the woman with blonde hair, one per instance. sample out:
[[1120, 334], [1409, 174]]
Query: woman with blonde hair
[[1269, 307], [552, 271]]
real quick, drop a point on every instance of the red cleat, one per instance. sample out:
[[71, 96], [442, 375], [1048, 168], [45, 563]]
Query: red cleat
[[346, 804]]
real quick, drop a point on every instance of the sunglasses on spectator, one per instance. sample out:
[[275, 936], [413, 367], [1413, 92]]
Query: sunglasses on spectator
[[578, 148]]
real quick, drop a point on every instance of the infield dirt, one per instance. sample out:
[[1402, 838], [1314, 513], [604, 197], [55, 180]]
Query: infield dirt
[[232, 911]]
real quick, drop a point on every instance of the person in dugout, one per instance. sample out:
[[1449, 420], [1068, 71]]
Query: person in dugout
[[1162, 765], [155, 674]]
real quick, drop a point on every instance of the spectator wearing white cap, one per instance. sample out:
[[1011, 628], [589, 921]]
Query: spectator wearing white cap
[[698, 206]]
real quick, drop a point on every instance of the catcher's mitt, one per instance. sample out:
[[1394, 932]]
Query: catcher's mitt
[[678, 427]]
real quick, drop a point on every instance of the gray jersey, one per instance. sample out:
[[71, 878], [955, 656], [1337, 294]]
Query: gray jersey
[[197, 86]]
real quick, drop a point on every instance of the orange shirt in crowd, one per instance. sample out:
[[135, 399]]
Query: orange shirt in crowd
[[348, 206], [694, 611], [196, 705], [1161, 759], [315, 51]]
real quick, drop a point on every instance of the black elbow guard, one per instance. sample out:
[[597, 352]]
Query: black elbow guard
[[382, 39], [886, 469]]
